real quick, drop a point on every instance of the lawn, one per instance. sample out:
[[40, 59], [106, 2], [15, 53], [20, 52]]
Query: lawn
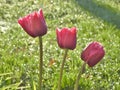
[[95, 20]]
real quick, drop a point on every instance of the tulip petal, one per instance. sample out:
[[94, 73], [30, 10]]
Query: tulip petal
[[66, 38], [93, 53], [26, 26], [34, 24]]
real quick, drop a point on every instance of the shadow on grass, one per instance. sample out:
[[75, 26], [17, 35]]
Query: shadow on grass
[[106, 13]]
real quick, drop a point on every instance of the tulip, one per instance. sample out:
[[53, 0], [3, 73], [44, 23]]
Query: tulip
[[93, 53], [34, 24], [66, 38]]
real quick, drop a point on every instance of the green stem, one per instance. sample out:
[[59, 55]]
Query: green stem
[[82, 70], [40, 62], [61, 70]]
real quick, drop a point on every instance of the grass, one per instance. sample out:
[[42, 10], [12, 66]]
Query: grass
[[106, 12], [19, 52]]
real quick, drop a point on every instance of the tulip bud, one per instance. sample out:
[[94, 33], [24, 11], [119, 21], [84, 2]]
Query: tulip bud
[[66, 38], [34, 24], [93, 53]]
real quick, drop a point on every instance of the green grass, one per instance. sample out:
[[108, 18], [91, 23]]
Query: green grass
[[19, 53]]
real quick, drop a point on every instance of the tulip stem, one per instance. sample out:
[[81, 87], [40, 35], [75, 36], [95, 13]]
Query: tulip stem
[[82, 70], [40, 62], [61, 70]]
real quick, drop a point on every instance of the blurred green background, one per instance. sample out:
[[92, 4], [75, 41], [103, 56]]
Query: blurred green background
[[95, 20]]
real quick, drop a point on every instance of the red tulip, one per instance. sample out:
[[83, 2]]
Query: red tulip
[[66, 38], [93, 53], [34, 24]]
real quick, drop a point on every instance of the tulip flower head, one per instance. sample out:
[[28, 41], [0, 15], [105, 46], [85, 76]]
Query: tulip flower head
[[66, 38], [93, 53], [34, 24]]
